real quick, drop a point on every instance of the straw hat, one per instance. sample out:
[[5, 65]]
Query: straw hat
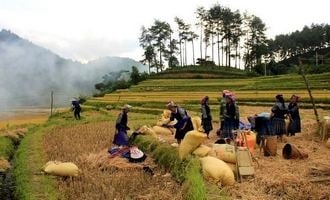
[[136, 153]]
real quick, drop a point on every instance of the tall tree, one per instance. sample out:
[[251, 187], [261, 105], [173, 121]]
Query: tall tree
[[256, 42], [215, 14], [201, 17], [237, 33], [191, 37], [146, 43], [161, 32], [183, 30]]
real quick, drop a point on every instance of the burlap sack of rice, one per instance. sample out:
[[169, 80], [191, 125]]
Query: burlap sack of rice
[[191, 141], [202, 151], [217, 169], [145, 130], [12, 135], [197, 123], [223, 152], [162, 130], [61, 168], [4, 165]]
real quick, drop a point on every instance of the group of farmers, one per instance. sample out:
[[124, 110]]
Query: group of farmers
[[264, 123]]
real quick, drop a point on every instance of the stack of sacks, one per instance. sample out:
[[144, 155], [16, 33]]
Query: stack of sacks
[[61, 168], [217, 169], [191, 141], [197, 123], [146, 130], [226, 153]]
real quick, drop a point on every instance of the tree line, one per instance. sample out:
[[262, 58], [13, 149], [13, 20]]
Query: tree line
[[310, 38], [226, 38]]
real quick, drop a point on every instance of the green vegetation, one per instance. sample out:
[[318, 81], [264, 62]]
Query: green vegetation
[[187, 171], [284, 82], [204, 72], [29, 159], [6, 147], [119, 80], [220, 36]]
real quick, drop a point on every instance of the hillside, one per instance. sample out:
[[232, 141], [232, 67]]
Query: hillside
[[152, 95], [29, 72], [198, 72]]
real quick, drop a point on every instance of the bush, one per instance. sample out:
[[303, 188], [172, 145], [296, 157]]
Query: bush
[[316, 69]]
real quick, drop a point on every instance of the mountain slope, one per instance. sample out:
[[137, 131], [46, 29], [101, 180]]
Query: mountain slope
[[29, 72]]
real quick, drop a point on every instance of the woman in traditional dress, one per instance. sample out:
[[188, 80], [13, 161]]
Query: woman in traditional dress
[[279, 112], [294, 124], [230, 118], [183, 124], [206, 115], [120, 137]]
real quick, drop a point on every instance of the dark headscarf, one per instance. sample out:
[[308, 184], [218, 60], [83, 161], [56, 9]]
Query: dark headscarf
[[204, 100], [280, 98]]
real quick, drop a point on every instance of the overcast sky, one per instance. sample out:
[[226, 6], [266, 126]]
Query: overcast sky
[[88, 29]]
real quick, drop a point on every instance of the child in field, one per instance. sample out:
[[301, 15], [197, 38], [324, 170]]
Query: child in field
[[294, 124], [120, 137], [184, 123], [206, 115], [279, 112]]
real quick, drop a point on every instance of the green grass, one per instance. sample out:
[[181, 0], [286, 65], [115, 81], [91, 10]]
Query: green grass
[[29, 159], [196, 187], [187, 171], [6, 148], [283, 82]]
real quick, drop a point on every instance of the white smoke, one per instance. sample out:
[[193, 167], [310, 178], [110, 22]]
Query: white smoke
[[28, 74]]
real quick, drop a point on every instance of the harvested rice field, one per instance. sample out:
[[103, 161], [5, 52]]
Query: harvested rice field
[[102, 178]]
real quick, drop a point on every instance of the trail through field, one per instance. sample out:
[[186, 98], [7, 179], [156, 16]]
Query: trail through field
[[86, 145]]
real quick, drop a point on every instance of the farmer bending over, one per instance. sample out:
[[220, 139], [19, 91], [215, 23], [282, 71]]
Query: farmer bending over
[[183, 124], [120, 137]]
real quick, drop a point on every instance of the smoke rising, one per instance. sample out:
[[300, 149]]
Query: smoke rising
[[28, 74]]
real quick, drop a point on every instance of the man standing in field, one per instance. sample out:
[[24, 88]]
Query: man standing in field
[[76, 109]]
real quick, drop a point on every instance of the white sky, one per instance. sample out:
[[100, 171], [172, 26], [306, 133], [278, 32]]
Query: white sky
[[88, 29]]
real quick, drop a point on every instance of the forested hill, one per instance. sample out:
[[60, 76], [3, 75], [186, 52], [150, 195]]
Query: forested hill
[[222, 37], [29, 72]]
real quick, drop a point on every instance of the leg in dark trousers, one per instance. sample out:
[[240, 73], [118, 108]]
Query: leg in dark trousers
[[77, 114]]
